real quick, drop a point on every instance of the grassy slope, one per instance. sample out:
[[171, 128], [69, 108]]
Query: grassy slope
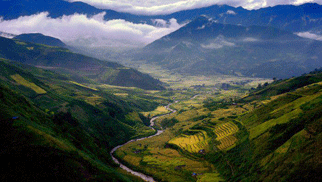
[[92, 106], [277, 138], [71, 123], [81, 68], [273, 134], [37, 147]]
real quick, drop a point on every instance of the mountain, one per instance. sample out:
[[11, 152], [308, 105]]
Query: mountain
[[53, 127], [305, 17], [7, 35], [81, 68], [55, 8], [41, 39], [301, 18], [206, 47]]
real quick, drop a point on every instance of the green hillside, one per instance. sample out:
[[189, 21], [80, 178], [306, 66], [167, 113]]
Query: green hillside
[[40, 39], [53, 127], [38, 146], [80, 68], [278, 140], [271, 134]]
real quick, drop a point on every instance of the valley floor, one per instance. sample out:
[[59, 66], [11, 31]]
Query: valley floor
[[237, 133], [178, 154]]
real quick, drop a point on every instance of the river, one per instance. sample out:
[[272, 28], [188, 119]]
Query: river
[[141, 175]]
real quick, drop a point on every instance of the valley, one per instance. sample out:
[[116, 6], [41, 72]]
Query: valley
[[159, 155], [169, 91], [208, 130], [264, 122]]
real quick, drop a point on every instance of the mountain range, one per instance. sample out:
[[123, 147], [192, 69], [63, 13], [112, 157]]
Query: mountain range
[[306, 17], [224, 40], [206, 47]]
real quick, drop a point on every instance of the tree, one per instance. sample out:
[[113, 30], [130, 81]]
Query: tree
[[274, 79], [259, 86], [265, 84]]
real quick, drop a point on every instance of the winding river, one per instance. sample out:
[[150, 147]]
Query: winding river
[[141, 175]]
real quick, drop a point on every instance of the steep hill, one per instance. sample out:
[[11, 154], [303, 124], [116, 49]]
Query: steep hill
[[53, 127], [279, 139], [37, 146], [272, 134], [206, 47], [41, 39], [80, 68]]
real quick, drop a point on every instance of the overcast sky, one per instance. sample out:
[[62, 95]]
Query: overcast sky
[[153, 7]]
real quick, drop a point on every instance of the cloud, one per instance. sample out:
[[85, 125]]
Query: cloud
[[154, 7], [159, 22], [218, 43], [310, 35], [231, 12], [91, 31], [250, 39]]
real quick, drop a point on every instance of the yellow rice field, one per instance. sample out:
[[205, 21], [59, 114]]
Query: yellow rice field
[[20, 80], [225, 136], [192, 143], [225, 130], [227, 142], [83, 85]]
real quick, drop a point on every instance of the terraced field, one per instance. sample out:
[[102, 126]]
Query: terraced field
[[195, 143], [225, 130], [192, 143], [20, 80], [227, 142], [225, 136], [158, 111]]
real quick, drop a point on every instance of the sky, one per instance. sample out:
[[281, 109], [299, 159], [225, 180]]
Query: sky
[[96, 32], [157, 7]]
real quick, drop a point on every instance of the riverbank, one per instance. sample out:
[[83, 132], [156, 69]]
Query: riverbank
[[158, 132]]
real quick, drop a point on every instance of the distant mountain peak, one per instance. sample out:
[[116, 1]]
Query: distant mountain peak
[[7, 35], [39, 38], [205, 46]]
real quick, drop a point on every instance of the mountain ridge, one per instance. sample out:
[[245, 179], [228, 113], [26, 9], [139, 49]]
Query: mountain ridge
[[295, 18], [205, 46], [82, 68], [39, 38]]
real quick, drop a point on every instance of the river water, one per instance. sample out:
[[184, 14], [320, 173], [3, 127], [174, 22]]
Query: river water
[[159, 132]]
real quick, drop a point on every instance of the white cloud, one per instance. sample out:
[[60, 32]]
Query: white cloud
[[155, 7], [298, 2], [231, 12], [218, 43], [250, 39], [92, 31], [159, 22], [310, 35]]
